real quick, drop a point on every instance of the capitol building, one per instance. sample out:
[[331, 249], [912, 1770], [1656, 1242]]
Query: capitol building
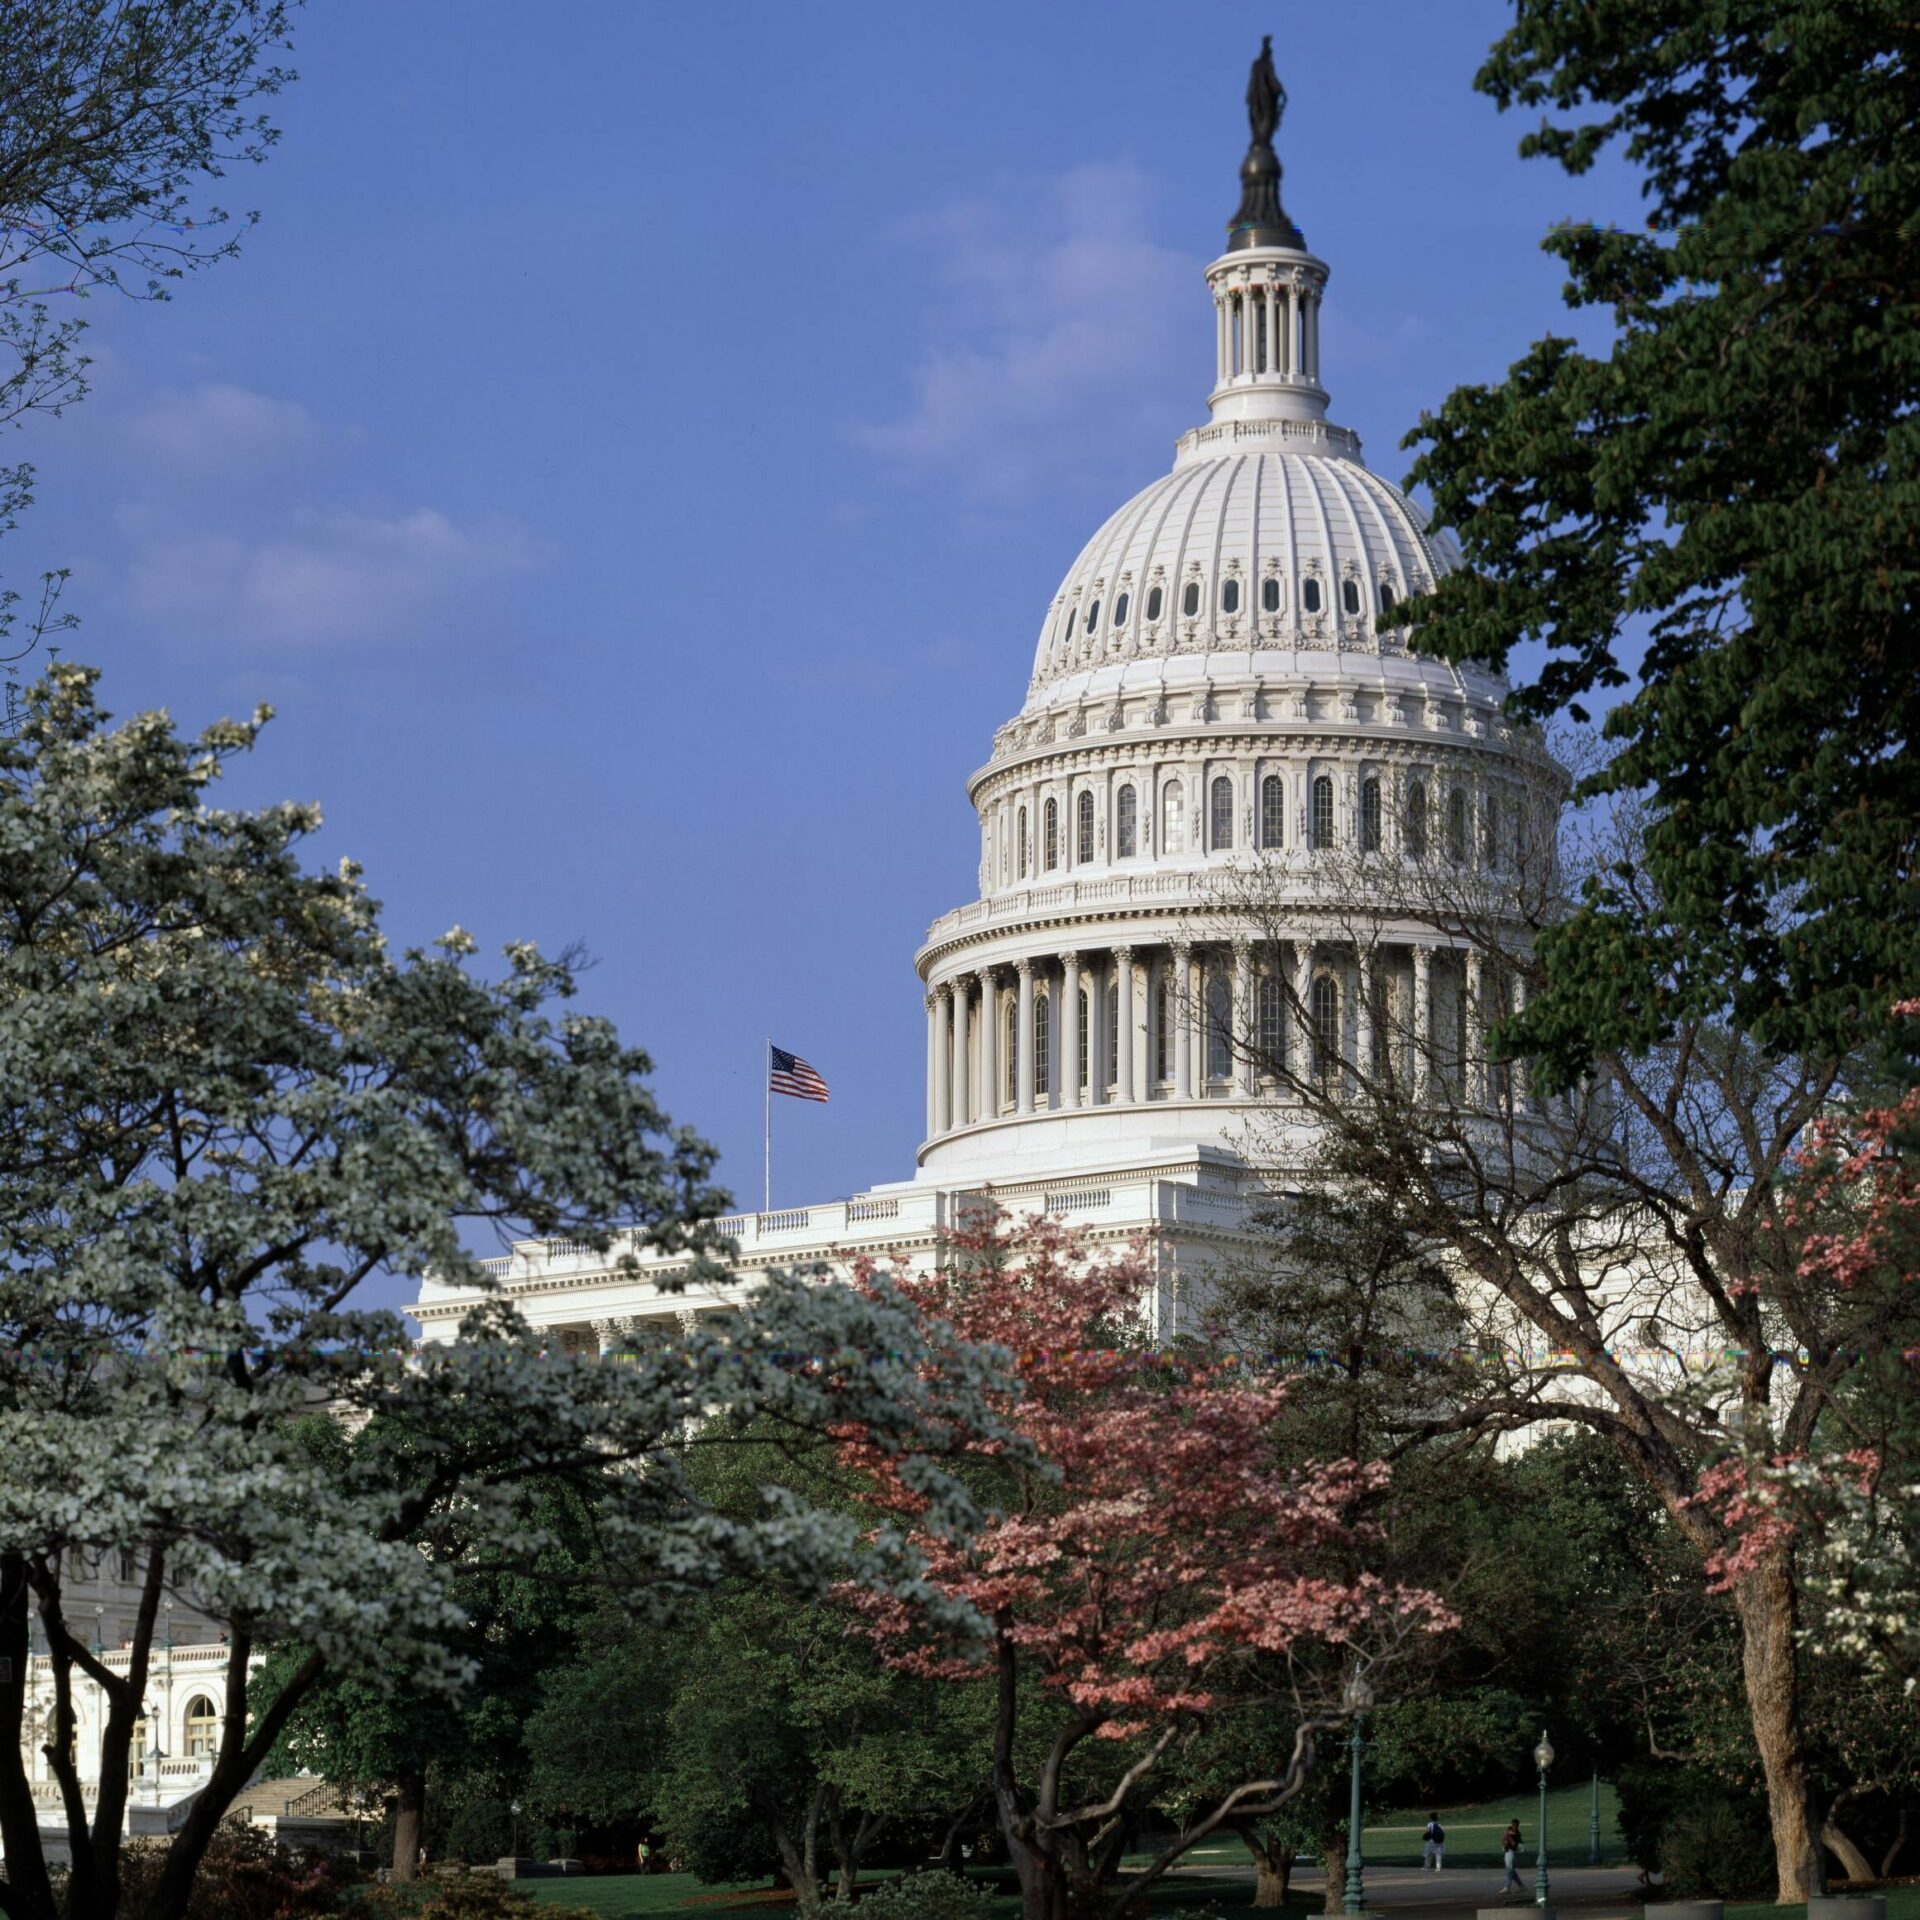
[[1215, 711]]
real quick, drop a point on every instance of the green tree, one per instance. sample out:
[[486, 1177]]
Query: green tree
[[225, 1104], [1720, 514]]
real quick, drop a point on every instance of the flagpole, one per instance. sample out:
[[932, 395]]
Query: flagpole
[[766, 1168]]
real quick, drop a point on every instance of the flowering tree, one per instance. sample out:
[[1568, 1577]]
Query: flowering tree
[[225, 1104], [1135, 1565]]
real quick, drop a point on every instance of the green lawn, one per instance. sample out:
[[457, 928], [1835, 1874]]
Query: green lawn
[[1473, 1833]]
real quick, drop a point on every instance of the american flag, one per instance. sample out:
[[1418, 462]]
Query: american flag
[[790, 1074]]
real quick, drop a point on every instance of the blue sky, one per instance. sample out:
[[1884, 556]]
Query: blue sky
[[636, 450]]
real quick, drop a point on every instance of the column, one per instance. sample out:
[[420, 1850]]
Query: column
[[1473, 1031], [989, 1045], [1123, 1022], [1223, 342], [1069, 1031], [1290, 314], [1270, 315], [1096, 1037], [612, 1333], [933, 1060], [1182, 1021], [1023, 1039], [1242, 1054], [1519, 1067], [962, 1006], [1363, 987], [1310, 346], [1300, 1053], [942, 1060], [1422, 1020]]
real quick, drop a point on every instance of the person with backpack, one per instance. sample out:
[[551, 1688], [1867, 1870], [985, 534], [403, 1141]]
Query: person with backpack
[[1510, 1852], [1433, 1845]]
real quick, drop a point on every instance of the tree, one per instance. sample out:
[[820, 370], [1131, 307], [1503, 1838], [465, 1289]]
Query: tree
[[1624, 1254], [226, 1104], [1720, 514], [1153, 1544], [111, 113]]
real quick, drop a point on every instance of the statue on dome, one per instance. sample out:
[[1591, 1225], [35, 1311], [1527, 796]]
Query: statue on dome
[[1266, 97]]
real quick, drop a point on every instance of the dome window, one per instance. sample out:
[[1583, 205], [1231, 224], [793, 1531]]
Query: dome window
[[1270, 594], [1011, 1070], [1386, 597], [1273, 1028], [1350, 595], [1163, 1032], [1310, 594], [1084, 807], [1154, 599], [1190, 599], [1110, 1067], [1220, 816], [1457, 827], [1273, 811], [1082, 1043], [1370, 816], [1093, 615], [1042, 1046], [1322, 813], [1417, 821], [1219, 1015], [1050, 835], [1020, 844], [1230, 597], [1173, 818], [1326, 1026], [1126, 823], [1120, 610]]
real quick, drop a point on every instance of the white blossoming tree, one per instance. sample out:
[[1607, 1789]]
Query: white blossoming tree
[[225, 1104]]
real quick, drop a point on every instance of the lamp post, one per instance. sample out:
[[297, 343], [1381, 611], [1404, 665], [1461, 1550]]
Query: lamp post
[[1359, 1698], [1543, 1759], [1593, 1824], [513, 1807]]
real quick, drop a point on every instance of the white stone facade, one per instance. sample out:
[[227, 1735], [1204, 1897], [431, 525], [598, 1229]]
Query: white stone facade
[[1211, 689]]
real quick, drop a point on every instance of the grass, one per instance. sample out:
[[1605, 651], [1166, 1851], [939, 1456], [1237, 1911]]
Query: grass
[[1473, 1832]]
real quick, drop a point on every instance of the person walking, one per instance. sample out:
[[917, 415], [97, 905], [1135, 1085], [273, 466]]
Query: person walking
[[1433, 1843], [1510, 1852]]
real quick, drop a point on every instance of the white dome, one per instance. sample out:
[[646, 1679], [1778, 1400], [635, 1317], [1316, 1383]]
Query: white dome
[[1245, 548]]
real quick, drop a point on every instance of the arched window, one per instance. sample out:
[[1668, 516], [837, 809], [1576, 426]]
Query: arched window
[[1492, 834], [1326, 1026], [203, 1728], [1050, 834], [1219, 1022], [1011, 1072], [1220, 814], [1270, 594], [1273, 811], [1173, 817], [1126, 824], [1111, 1067], [1042, 1046], [1310, 594], [1230, 597], [1190, 599], [1163, 1033], [1417, 820], [1386, 597], [1084, 1043], [137, 1748], [1084, 806], [1273, 1024], [1093, 616], [1370, 816], [1153, 603], [1323, 813], [1120, 610], [1020, 844], [1350, 595], [1457, 827]]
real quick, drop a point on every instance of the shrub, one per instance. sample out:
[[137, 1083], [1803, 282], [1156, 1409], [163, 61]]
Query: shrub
[[246, 1875], [1717, 1846], [922, 1896]]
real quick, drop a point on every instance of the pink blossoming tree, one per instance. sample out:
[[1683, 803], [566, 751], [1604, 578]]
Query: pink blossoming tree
[[1143, 1561]]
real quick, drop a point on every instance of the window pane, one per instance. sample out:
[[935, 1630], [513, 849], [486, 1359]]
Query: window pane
[[1111, 1071], [1323, 812], [1126, 824], [1310, 595], [1272, 811], [1270, 594], [1417, 821], [1162, 1034], [1221, 825], [1230, 597], [1042, 1045], [1120, 610], [1020, 839], [1093, 616], [1219, 1022], [1153, 604], [1052, 834], [1272, 1024], [1190, 599], [1370, 816], [1084, 1041], [1326, 1026], [1350, 595], [1457, 827], [1086, 827]]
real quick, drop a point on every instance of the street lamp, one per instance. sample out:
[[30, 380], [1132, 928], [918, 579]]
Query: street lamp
[[1543, 1759], [1593, 1824], [1358, 1701], [513, 1807]]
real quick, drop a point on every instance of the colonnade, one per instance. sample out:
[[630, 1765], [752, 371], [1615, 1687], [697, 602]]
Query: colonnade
[[1267, 327], [1199, 1020]]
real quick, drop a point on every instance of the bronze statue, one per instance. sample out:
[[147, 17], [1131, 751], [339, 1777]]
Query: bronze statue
[[1266, 97]]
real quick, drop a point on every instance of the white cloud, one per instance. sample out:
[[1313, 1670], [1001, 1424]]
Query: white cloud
[[1062, 332], [326, 578], [218, 429]]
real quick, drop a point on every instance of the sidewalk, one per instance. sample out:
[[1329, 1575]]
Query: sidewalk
[[1600, 1893]]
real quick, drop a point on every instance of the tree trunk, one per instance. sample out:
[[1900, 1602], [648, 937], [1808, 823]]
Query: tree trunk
[[1856, 1863], [1899, 1840], [1333, 1863], [1272, 1870], [1765, 1602], [409, 1814]]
